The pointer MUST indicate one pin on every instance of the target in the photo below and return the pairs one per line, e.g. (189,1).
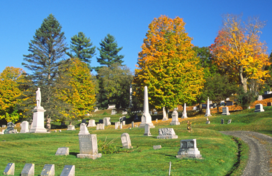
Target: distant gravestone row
(48,170)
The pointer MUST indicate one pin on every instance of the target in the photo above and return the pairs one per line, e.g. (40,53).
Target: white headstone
(48,170)
(113,112)
(155,147)
(88,146)
(83,129)
(91,123)
(167,133)
(63,151)
(106,121)
(188,149)
(9,170)
(124,112)
(28,170)
(124,122)
(130,96)
(71,127)
(147,130)
(175,120)
(125,139)
(68,170)
(164,114)
(259,108)
(111,106)
(260,97)
(208,122)
(24,127)
(132,124)
(208,113)
(121,125)
(225,110)
(184,113)
(117,125)
(100,126)
(229,121)
(146,118)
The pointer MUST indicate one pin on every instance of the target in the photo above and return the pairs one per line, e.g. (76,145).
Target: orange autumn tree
(81,91)
(238,52)
(9,93)
(168,65)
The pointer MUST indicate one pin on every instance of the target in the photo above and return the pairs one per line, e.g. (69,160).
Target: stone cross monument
(146,118)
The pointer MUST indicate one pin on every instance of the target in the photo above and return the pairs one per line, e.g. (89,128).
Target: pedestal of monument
(38,121)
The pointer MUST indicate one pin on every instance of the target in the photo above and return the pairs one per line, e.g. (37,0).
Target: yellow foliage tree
(9,93)
(81,94)
(168,65)
(238,52)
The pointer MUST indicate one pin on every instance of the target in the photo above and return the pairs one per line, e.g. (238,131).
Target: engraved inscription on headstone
(68,170)
(167,133)
(48,170)
(28,170)
(125,139)
(62,151)
(9,170)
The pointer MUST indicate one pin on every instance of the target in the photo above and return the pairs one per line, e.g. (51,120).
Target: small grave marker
(9,170)
(24,127)
(71,127)
(155,147)
(88,146)
(259,108)
(126,142)
(100,126)
(117,125)
(106,121)
(147,130)
(91,123)
(175,120)
(28,170)
(68,170)
(225,110)
(63,151)
(188,149)
(222,121)
(229,121)
(48,170)
(167,133)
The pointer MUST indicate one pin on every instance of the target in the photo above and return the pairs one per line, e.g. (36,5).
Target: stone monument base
(71,127)
(142,125)
(167,137)
(191,153)
(38,121)
(90,156)
(175,123)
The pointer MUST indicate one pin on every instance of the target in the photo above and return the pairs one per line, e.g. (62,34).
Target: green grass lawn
(219,151)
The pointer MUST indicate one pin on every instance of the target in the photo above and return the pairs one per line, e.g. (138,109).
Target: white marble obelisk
(164,114)
(38,116)
(208,112)
(146,118)
(130,96)
(184,113)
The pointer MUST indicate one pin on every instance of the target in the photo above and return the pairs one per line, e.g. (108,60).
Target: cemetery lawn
(219,151)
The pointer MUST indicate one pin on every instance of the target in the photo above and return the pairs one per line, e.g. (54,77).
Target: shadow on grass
(73,153)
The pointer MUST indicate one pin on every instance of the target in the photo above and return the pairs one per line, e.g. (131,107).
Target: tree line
(174,70)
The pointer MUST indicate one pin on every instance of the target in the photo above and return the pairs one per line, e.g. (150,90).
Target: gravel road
(260,146)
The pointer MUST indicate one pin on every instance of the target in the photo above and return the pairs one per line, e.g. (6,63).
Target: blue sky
(126,20)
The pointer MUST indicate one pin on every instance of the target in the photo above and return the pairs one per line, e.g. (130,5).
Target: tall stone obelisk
(146,117)
(184,113)
(38,116)
(164,117)
(208,112)
(130,96)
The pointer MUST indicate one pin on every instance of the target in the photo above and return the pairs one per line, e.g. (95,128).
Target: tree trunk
(243,81)
(48,124)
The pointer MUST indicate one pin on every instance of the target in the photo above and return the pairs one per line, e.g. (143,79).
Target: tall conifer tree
(47,51)
(82,48)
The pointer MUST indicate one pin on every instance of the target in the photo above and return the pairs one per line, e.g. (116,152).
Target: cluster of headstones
(48,170)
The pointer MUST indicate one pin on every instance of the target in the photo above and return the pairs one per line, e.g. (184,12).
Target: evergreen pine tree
(47,51)
(81,47)
(109,52)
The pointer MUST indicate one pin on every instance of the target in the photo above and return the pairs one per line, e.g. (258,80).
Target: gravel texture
(260,148)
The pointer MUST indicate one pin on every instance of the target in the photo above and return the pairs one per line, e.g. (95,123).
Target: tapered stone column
(208,112)
(184,113)
(146,118)
(164,114)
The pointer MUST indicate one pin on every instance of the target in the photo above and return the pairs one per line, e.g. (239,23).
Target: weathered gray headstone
(71,127)
(222,121)
(121,125)
(147,130)
(9,170)
(68,170)
(229,121)
(155,147)
(126,142)
(48,170)
(100,126)
(63,151)
(28,170)
(225,110)
(208,122)
(167,133)
(24,127)
(132,124)
(113,112)
(4,126)
(106,121)
(91,123)
(188,149)
(175,120)
(88,146)
(259,108)
(10,129)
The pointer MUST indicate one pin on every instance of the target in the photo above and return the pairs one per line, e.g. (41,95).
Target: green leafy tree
(109,52)
(218,88)
(81,47)
(114,84)
(47,52)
